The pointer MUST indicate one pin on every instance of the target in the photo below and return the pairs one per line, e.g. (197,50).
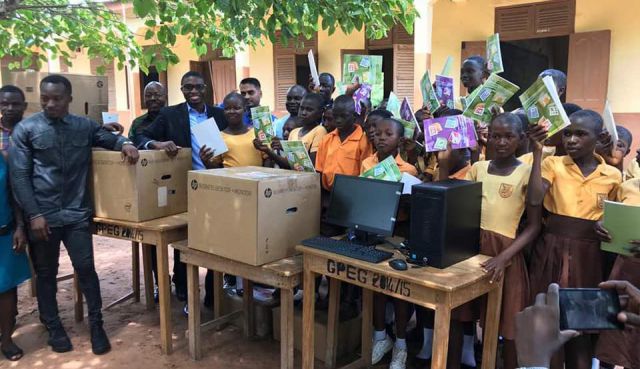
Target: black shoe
(99,341)
(58,340)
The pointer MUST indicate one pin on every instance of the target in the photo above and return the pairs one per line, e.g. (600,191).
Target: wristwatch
(127,142)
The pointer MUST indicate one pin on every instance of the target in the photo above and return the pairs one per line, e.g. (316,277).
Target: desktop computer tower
(445,222)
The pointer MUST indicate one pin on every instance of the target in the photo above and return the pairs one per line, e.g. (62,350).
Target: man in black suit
(170,131)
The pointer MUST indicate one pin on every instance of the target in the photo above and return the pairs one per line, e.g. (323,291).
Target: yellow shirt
(633,170)
(546,152)
(372,161)
(503,197)
(571,194)
(311,139)
(241,151)
(629,192)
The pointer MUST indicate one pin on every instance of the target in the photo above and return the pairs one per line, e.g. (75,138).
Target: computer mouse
(398,264)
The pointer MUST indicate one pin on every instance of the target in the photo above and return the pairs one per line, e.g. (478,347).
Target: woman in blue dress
(14,265)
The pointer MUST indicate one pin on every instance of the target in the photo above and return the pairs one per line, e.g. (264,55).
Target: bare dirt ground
(134,331)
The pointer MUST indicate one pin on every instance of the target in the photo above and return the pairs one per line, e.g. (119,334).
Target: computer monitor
(367,206)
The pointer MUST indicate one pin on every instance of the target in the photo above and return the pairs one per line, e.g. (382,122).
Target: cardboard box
(349,333)
(252,215)
(153,188)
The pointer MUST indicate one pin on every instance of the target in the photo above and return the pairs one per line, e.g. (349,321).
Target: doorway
(525,59)
(387,68)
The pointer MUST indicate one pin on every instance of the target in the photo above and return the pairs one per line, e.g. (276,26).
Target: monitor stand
(363,238)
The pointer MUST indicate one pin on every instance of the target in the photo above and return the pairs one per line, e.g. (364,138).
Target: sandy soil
(133,330)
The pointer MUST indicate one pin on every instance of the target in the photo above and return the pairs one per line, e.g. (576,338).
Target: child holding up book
(237,136)
(622,347)
(388,133)
(311,133)
(573,188)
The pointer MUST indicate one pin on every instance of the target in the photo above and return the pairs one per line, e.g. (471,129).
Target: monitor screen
(364,204)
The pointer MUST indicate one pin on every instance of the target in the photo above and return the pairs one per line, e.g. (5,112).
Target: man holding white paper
(172,129)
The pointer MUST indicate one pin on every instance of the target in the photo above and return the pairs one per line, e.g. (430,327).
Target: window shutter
(546,19)
(554,18)
(514,23)
(401,36)
(285,72)
(403,80)
(223,77)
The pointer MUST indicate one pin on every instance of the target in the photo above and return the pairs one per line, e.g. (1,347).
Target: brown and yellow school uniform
(568,251)
(546,152)
(503,203)
(623,347)
(633,170)
(311,139)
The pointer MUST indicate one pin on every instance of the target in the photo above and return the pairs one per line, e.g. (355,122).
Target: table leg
(218,294)
(367,326)
(193,293)
(333,318)
(441,337)
(148,276)
(135,270)
(247,306)
(77,299)
(308,315)
(492,323)
(164,286)
(286,328)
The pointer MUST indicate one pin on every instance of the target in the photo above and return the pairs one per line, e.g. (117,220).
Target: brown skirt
(622,347)
(515,290)
(567,253)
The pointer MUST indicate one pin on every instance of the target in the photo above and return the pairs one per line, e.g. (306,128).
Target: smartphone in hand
(589,309)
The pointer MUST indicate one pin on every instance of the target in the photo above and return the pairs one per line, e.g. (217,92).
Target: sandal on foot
(15,353)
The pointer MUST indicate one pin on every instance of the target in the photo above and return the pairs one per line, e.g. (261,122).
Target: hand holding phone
(589,309)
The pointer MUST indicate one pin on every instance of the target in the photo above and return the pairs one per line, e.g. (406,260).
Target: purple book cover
(457,129)
(444,90)
(364,92)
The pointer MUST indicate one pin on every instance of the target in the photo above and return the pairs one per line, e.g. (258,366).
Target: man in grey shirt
(49,159)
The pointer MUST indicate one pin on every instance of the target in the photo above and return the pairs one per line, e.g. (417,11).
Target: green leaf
(149,34)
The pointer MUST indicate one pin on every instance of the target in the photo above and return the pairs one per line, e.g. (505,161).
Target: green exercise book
(393,105)
(494,55)
(386,170)
(621,220)
(367,69)
(492,94)
(542,105)
(297,156)
(263,124)
(429,97)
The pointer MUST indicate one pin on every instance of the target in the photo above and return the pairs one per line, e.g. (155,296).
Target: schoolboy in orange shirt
(343,150)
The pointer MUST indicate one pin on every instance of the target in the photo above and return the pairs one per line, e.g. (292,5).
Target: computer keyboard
(349,249)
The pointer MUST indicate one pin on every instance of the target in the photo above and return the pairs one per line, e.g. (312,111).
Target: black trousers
(180,277)
(77,239)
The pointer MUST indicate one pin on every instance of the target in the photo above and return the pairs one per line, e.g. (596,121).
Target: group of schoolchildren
(542,197)
(542,202)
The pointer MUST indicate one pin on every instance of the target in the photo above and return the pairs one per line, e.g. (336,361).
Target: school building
(595,42)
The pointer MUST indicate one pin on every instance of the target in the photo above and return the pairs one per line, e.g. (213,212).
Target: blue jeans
(77,239)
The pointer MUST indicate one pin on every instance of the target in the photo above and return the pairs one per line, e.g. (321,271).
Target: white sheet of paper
(314,69)
(109,117)
(207,133)
(610,123)
(408,181)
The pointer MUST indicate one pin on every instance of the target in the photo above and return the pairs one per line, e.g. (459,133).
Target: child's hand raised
(483,133)
(206,153)
(261,146)
(537,135)
(276,145)
(312,85)
(442,109)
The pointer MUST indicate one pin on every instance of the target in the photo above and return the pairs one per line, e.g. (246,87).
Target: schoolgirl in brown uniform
(574,187)
(623,347)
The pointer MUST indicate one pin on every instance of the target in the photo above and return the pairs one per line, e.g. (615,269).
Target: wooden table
(284,274)
(437,289)
(159,233)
